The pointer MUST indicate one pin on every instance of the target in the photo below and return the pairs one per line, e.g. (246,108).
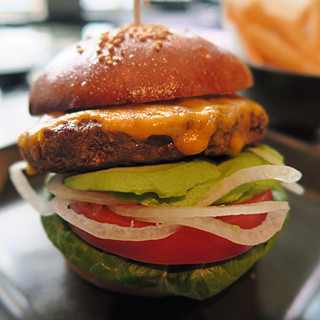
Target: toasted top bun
(136,64)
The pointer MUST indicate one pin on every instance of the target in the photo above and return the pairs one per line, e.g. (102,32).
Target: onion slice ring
(57,187)
(166,214)
(293,187)
(110,231)
(260,234)
(26,191)
(273,223)
(203,219)
(267,156)
(256,235)
(280,173)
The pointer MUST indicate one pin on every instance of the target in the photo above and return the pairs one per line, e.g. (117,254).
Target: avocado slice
(179,184)
(165,180)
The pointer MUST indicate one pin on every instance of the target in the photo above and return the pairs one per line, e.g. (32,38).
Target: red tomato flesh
(186,246)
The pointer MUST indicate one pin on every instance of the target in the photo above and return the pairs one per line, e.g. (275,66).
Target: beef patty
(86,141)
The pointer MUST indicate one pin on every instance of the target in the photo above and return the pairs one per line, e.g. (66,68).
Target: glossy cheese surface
(190,122)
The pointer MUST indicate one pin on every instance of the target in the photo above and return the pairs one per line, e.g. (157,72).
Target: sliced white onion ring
(280,173)
(110,231)
(166,214)
(267,156)
(259,234)
(26,191)
(262,233)
(293,187)
(256,235)
(57,187)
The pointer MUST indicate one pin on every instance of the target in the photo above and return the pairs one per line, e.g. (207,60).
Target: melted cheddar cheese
(190,122)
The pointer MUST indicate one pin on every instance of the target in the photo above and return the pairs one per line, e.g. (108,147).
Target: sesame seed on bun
(136,63)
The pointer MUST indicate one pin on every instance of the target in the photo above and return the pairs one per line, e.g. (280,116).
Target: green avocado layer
(194,281)
(165,180)
(179,184)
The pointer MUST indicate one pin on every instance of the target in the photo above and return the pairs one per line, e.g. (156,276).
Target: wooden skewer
(137,12)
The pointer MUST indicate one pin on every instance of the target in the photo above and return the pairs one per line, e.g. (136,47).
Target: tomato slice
(186,246)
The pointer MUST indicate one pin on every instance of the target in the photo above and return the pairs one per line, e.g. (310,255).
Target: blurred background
(279,39)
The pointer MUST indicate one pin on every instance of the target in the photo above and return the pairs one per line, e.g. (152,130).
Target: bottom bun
(108,285)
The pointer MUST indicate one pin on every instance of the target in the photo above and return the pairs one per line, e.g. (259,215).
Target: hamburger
(157,183)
